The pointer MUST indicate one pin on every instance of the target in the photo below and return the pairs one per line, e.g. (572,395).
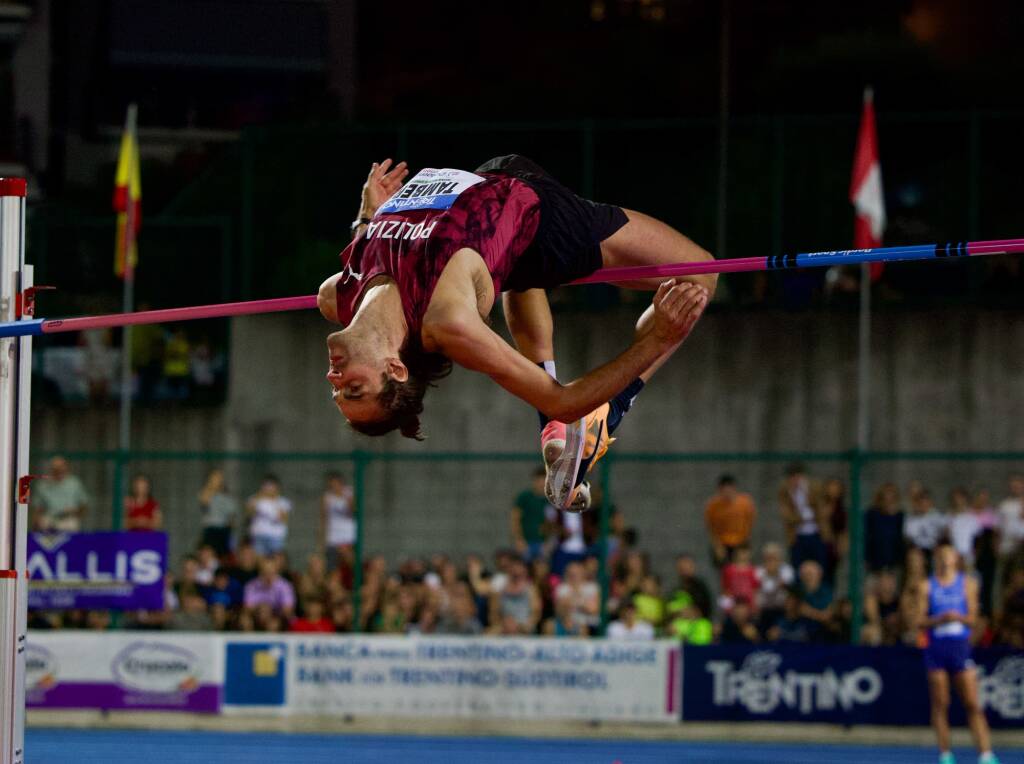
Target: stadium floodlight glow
(946,251)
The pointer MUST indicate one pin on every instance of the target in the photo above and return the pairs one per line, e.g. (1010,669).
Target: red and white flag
(866,186)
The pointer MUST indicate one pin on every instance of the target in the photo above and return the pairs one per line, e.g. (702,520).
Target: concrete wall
(744,382)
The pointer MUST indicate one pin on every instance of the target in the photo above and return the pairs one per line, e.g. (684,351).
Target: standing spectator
(729,516)
(883,529)
(629,573)
(803,514)
(572,545)
(1011,518)
(337,519)
(269,590)
(692,584)
(219,509)
(177,370)
(515,610)
(141,510)
(963,525)
(580,596)
(247,565)
(531,517)
(815,594)
(774,578)
(628,627)
(925,525)
(268,517)
(59,502)
(739,579)
(986,546)
(98,363)
(834,509)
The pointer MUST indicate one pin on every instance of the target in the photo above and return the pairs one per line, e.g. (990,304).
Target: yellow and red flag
(127,201)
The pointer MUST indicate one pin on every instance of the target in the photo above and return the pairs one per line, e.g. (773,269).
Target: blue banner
(116,571)
(836,684)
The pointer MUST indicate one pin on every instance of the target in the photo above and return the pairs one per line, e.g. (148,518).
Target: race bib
(951,629)
(430,189)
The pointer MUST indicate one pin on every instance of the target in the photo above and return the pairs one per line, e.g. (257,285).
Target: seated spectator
(627,576)
(925,525)
(60,502)
(247,565)
(883,617)
(815,593)
(546,583)
(839,629)
(342,614)
(98,620)
(141,510)
(581,596)
(692,584)
(270,590)
(515,610)
(649,605)
(628,626)
(224,591)
(883,529)
(1009,625)
(208,564)
(188,581)
(567,621)
(916,568)
(313,582)
(193,615)
(461,616)
(313,620)
(774,577)
(793,626)
(739,579)
(738,627)
(690,625)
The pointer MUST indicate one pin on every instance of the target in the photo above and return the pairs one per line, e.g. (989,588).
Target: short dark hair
(795,468)
(540,472)
(725,480)
(403,401)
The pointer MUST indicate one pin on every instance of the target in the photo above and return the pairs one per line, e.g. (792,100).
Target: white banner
(456,676)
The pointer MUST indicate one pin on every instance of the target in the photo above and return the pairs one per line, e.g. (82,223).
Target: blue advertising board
(836,684)
(116,570)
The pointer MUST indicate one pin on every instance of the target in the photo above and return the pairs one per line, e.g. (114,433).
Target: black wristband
(358,222)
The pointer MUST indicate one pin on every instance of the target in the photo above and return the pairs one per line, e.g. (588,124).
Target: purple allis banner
(116,571)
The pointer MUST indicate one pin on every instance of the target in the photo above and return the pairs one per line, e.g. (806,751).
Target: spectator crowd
(548,579)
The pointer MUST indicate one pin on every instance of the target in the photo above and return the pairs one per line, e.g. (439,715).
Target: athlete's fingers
(373,170)
(382,170)
(663,288)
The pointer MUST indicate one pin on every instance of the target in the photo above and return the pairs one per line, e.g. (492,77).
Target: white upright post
(15,386)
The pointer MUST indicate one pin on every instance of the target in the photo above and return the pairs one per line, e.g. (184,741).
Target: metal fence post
(360,458)
(605,518)
(856,552)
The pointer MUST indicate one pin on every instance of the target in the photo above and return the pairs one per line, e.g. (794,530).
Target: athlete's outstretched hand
(383,181)
(677,306)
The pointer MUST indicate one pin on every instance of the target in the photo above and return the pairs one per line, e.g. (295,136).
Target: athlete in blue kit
(948,604)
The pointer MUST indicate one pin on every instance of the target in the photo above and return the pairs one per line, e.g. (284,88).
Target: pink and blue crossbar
(947,251)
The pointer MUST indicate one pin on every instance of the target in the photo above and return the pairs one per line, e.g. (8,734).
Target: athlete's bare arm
(454,327)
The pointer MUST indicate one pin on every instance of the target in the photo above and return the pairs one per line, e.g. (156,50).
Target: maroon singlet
(414,235)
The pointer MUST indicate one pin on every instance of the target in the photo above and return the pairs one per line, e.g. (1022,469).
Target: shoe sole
(561,478)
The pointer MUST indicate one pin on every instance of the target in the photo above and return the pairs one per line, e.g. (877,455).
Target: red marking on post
(25,486)
(8,574)
(25,302)
(13,187)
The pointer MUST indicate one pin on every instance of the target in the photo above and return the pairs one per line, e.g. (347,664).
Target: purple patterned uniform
(416,232)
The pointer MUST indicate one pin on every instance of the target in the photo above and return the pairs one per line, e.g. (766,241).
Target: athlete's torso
(414,235)
(942,599)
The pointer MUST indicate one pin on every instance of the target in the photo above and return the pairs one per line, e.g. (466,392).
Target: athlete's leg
(938,692)
(966,684)
(647,241)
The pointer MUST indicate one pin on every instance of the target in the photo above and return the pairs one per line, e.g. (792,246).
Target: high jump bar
(946,251)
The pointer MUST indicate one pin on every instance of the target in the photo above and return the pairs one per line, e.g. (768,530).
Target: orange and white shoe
(570,452)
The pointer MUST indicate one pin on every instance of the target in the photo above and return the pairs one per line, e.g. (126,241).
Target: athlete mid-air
(428,259)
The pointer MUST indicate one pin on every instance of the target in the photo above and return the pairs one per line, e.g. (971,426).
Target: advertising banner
(124,670)
(835,684)
(456,676)
(105,571)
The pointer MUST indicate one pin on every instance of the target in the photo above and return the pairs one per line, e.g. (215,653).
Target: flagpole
(864,345)
(124,441)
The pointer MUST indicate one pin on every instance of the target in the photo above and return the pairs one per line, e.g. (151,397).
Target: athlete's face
(356,380)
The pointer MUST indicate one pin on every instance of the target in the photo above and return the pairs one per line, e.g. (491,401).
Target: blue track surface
(51,746)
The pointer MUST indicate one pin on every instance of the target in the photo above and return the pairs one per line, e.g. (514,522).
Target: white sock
(986,758)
